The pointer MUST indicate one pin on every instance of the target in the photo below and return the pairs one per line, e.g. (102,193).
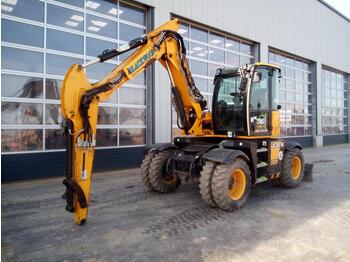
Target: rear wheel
(292,168)
(231,184)
(160,179)
(145,169)
(205,183)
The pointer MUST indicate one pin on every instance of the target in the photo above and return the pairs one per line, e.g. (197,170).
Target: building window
(334,103)
(208,50)
(294,94)
(36,53)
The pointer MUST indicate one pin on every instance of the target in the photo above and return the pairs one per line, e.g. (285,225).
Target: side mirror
(279,107)
(257,77)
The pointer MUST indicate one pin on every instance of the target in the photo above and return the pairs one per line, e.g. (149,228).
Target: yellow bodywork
(76,83)
(276,123)
(275,148)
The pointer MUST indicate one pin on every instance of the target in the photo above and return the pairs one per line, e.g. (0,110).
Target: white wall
(306,28)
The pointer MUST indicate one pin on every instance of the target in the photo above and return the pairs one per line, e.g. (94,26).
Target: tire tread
(219,185)
(285,178)
(145,169)
(205,181)
(155,173)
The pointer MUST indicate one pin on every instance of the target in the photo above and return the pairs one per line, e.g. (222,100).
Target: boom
(80,99)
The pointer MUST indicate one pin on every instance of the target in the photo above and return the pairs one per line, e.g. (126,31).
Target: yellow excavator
(226,150)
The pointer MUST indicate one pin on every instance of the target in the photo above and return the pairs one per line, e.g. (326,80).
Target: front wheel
(231,184)
(205,181)
(161,180)
(145,169)
(292,168)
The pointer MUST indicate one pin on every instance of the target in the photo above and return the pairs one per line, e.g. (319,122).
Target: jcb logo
(141,61)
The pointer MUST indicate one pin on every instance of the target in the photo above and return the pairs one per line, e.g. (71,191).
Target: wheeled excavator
(226,150)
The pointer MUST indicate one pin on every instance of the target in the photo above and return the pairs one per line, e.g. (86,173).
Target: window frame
(46,77)
(328,73)
(275,57)
(210,63)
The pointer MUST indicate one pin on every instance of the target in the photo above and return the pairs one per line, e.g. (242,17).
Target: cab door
(263,112)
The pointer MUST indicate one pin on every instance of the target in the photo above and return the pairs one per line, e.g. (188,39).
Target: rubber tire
(156,171)
(285,178)
(145,169)
(220,181)
(205,183)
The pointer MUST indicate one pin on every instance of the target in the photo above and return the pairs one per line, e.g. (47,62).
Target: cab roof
(266,64)
(234,70)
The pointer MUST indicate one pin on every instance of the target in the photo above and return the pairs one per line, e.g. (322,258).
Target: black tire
(145,169)
(221,184)
(205,183)
(158,177)
(286,178)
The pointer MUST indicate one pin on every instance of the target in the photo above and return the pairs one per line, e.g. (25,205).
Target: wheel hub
(237,184)
(296,167)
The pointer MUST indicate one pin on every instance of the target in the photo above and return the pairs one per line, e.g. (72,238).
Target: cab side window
(259,94)
(259,103)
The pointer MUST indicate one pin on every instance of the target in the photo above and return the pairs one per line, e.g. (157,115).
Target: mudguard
(224,155)
(162,147)
(290,145)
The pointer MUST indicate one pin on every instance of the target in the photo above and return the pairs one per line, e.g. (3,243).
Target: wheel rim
(296,167)
(169,179)
(237,184)
(166,177)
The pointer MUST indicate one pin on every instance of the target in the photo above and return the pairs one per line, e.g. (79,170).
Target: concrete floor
(128,223)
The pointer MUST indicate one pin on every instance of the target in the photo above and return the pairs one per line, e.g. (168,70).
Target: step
(261,180)
(263,149)
(261,164)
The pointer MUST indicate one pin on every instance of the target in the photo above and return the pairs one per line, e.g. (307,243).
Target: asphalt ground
(128,223)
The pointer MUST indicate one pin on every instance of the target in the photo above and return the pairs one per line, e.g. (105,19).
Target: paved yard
(128,223)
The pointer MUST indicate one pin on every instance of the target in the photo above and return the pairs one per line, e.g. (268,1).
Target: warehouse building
(309,40)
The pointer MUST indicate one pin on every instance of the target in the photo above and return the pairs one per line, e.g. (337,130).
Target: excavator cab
(246,106)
